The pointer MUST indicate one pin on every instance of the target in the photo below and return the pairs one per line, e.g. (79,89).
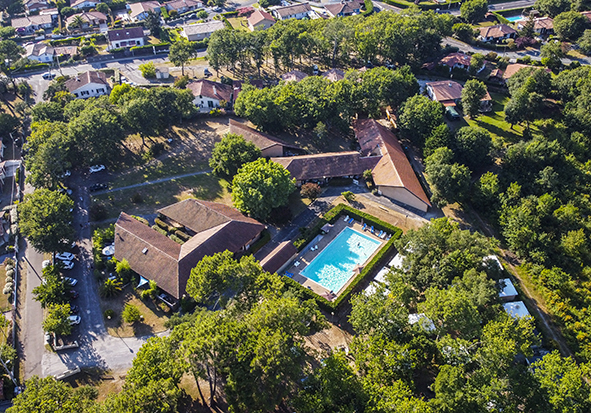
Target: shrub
(110,288)
(160,230)
(8,261)
(156,149)
(176,239)
(9,280)
(7,290)
(349,196)
(109,314)
(162,224)
(141,219)
(181,82)
(148,70)
(131,314)
(179,233)
(10,273)
(310,190)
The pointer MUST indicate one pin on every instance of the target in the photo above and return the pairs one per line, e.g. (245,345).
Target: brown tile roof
(326,165)
(293,76)
(66,50)
(125,34)
(279,256)
(543,23)
(87,16)
(179,4)
(334,74)
(342,7)
(498,31)
(36,20)
(297,8)
(260,139)
(259,16)
(210,89)
(453,59)
(91,76)
(158,263)
(393,168)
(446,90)
(144,6)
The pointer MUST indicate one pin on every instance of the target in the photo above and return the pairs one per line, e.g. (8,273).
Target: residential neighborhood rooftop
(125,34)
(85,78)
(204,28)
(211,89)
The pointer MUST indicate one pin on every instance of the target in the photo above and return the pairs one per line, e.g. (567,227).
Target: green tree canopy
(451,181)
(472,146)
(570,25)
(45,220)
(54,288)
(472,94)
(180,54)
(418,117)
(473,11)
(57,320)
(231,153)
(260,186)
(552,7)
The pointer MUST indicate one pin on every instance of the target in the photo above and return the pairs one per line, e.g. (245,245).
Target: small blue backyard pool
(333,267)
(514,18)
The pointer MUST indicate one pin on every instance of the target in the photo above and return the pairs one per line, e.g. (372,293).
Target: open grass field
(239,23)
(155,314)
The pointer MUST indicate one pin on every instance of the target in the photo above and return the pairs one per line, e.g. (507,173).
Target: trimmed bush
(179,233)
(162,224)
(109,314)
(140,219)
(160,230)
(10,273)
(176,239)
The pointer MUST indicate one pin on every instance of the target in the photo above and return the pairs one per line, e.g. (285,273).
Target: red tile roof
(334,74)
(497,31)
(260,139)
(453,59)
(293,76)
(326,165)
(210,89)
(259,16)
(91,76)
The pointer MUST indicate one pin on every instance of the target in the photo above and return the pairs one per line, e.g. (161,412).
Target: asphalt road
(511,5)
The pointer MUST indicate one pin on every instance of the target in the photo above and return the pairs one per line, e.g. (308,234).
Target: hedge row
(150,46)
(176,239)
(162,224)
(160,230)
(368,7)
(230,14)
(142,220)
(424,5)
(77,40)
(185,237)
(377,261)
(33,66)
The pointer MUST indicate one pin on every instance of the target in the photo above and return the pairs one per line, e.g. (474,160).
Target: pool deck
(306,256)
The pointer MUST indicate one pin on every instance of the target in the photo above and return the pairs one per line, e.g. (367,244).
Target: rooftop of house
(204,28)
(211,89)
(36,20)
(293,76)
(507,288)
(345,7)
(259,16)
(260,139)
(297,8)
(38,49)
(125,34)
(86,78)
(393,168)
(74,3)
(543,23)
(88,16)
(334,74)
(142,7)
(179,4)
(497,31)
(516,309)
(279,256)
(327,165)
(447,91)
(453,59)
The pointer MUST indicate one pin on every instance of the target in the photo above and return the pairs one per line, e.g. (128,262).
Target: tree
(53,290)
(472,146)
(48,395)
(473,11)
(349,196)
(584,42)
(103,8)
(231,153)
(552,54)
(47,164)
(439,138)
(552,8)
(202,14)
(156,360)
(161,396)
(418,116)
(310,190)
(472,94)
(7,32)
(131,314)
(142,116)
(57,320)
(148,70)
(525,107)
(45,220)
(111,287)
(570,25)
(451,181)
(464,32)
(153,23)
(476,63)
(67,11)
(77,22)
(10,52)
(260,186)
(564,383)
(181,52)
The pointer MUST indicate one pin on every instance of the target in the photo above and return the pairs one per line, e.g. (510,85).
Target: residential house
(30,24)
(296,11)
(342,8)
(89,84)
(293,76)
(516,309)
(40,52)
(587,14)
(334,74)
(209,94)
(34,6)
(508,291)
(497,33)
(200,31)
(139,11)
(90,18)
(393,174)
(83,4)
(542,25)
(320,168)
(456,61)
(212,228)
(66,50)
(133,36)
(183,6)
(269,145)
(449,93)
(260,20)
(54,13)
(501,76)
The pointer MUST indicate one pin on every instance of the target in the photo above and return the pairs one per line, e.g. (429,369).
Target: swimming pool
(333,267)
(514,18)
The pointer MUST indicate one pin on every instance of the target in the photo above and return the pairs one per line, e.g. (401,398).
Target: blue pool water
(514,18)
(333,267)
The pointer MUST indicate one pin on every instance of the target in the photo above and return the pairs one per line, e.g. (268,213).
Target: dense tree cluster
(316,99)
(409,37)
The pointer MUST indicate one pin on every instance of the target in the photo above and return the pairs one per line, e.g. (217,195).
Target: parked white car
(68,265)
(65,256)
(75,319)
(71,281)
(97,168)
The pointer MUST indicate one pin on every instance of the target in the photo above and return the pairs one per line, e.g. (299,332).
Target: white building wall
(91,90)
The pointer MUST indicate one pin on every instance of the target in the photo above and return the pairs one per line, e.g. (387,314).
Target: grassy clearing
(155,314)
(239,23)
(494,122)
(207,187)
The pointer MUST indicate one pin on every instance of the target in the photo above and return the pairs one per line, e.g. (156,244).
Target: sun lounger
(315,247)
(383,235)
(296,264)
(351,220)
(288,274)
(372,231)
(389,236)
(346,218)
(381,232)
(364,226)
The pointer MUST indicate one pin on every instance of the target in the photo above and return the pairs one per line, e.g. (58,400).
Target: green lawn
(239,23)
(495,123)
(153,197)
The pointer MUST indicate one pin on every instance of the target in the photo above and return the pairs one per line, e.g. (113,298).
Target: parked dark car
(98,187)
(74,294)
(451,113)
(74,309)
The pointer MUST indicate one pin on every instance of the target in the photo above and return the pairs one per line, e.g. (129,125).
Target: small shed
(508,291)
(516,309)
